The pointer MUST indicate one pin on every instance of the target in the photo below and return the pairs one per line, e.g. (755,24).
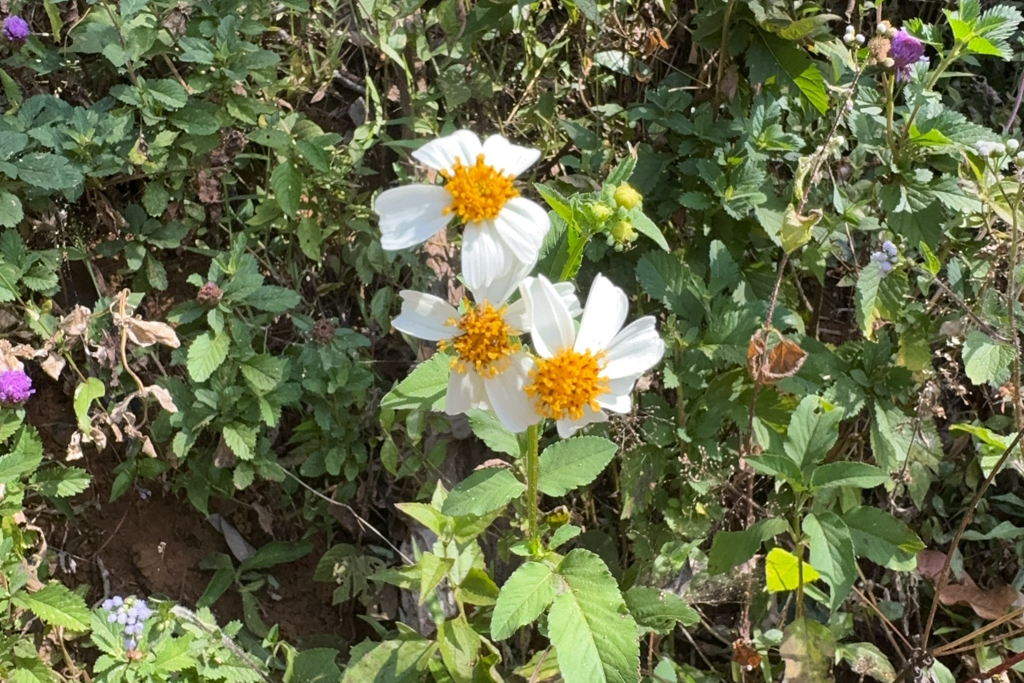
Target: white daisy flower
(580,374)
(502,228)
(490,368)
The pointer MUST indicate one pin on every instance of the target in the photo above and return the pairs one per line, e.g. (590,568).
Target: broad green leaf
(168,92)
(11,212)
(206,354)
(155,198)
(220,582)
(263,372)
(866,298)
(782,571)
(666,278)
(460,649)
(867,659)
(241,439)
(659,611)
(832,553)
(772,57)
(485,490)
(477,588)
(427,515)
(85,394)
(778,466)
(986,360)
(287,185)
(273,299)
(569,464)
(596,637)
(525,595)
(48,172)
(275,553)
(488,428)
(425,387)
(645,226)
(807,649)
(315,665)
(24,458)
(882,538)
(725,274)
(732,548)
(56,605)
(813,430)
(859,474)
(433,569)
(796,229)
(310,237)
(60,482)
(393,661)
(172,654)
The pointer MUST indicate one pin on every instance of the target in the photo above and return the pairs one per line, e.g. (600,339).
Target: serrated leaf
(11,212)
(24,458)
(61,482)
(859,474)
(867,298)
(770,56)
(589,624)
(986,360)
(48,172)
(241,439)
(523,597)
(168,92)
(273,299)
(206,354)
(882,538)
(477,588)
(667,279)
(488,428)
(315,665)
(807,649)
(310,237)
(424,389)
(482,492)
(155,198)
(659,611)
(172,654)
(263,372)
(867,659)
(427,515)
(393,661)
(286,182)
(56,605)
(782,571)
(571,463)
(732,548)
(813,430)
(433,569)
(832,553)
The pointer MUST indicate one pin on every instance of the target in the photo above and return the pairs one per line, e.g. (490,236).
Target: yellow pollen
(484,342)
(479,192)
(565,384)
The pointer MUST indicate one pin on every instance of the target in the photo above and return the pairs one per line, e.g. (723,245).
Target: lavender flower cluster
(131,613)
(15,387)
(16,29)
(887,256)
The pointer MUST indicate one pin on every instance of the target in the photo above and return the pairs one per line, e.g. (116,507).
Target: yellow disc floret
(479,192)
(484,341)
(567,383)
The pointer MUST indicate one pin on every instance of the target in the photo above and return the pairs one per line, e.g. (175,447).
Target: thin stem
(890,108)
(953,55)
(532,493)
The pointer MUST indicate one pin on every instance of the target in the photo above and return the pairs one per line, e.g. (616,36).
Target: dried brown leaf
(53,365)
(75,323)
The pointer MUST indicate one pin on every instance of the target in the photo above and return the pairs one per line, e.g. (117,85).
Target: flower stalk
(532,492)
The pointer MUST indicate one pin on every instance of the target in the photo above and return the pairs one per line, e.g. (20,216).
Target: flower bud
(890,63)
(1012,146)
(849,38)
(861,39)
(209,294)
(883,28)
(627,197)
(600,211)
(998,150)
(623,232)
(850,29)
(323,331)
(1020,159)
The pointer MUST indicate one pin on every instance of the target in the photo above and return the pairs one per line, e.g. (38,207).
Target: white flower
(489,370)
(502,228)
(580,374)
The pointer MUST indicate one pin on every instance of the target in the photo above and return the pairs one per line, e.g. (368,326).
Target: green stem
(953,55)
(889,113)
(532,494)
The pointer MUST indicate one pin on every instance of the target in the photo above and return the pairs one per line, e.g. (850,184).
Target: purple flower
(130,644)
(16,29)
(15,387)
(906,50)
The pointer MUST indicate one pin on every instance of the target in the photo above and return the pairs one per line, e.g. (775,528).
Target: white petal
(465,392)
(522,225)
(621,403)
(440,154)
(425,316)
(411,214)
(500,289)
(515,316)
(548,318)
(484,257)
(603,316)
(634,350)
(568,427)
(504,156)
(507,397)
(567,291)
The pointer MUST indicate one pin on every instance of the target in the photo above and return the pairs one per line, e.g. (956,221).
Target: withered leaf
(782,360)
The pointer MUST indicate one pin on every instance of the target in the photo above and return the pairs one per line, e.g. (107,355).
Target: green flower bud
(627,197)
(623,232)
(600,212)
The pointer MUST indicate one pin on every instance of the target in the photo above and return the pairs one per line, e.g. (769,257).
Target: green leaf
(771,57)
(725,273)
(56,605)
(24,458)
(286,182)
(481,492)
(129,8)
(659,611)
(48,172)
(666,278)
(241,439)
(931,260)
(813,430)
(206,354)
(168,92)
(460,649)
(275,553)
(589,625)
(11,212)
(867,659)
(488,428)
(310,237)
(155,198)
(60,482)
(477,588)
(427,515)
(866,298)
(645,226)
(882,538)
(832,553)
(986,360)
(273,299)
(85,394)
(424,389)
(433,569)
(316,665)
(525,595)
(807,649)
(569,464)
(796,229)
(172,654)
(859,474)
(732,548)
(263,372)
(778,466)
(782,571)
(393,661)
(220,582)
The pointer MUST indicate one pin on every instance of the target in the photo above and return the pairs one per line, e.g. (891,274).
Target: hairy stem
(532,494)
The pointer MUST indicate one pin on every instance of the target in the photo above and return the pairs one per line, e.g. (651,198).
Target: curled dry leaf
(745,655)
(8,358)
(75,323)
(146,333)
(74,448)
(53,365)
(782,360)
(987,603)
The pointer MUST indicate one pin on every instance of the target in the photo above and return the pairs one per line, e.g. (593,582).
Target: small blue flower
(130,643)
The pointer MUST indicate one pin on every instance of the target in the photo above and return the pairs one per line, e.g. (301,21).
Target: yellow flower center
(565,384)
(485,342)
(479,192)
